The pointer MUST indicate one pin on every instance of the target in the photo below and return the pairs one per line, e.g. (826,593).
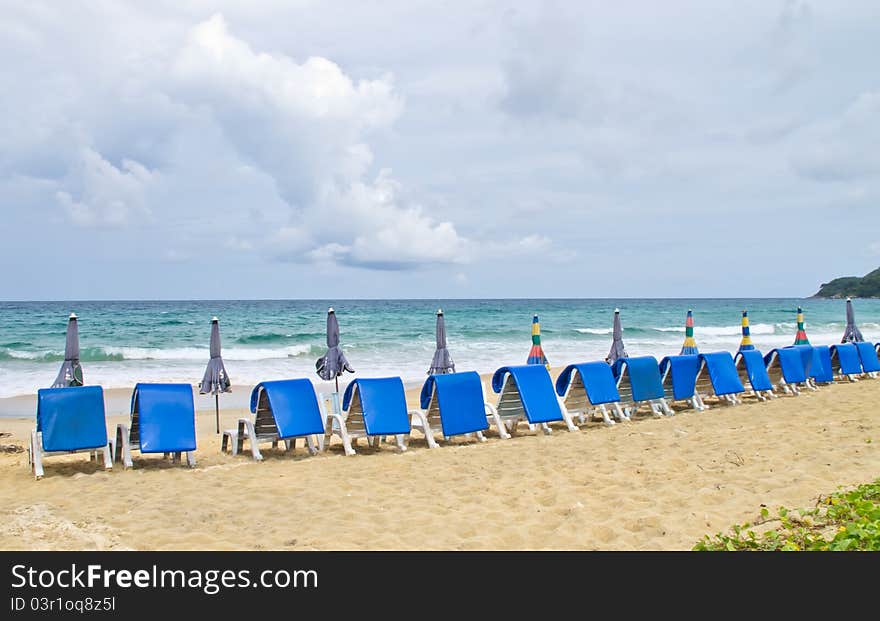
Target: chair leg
(500,426)
(239,440)
(108,459)
(422,421)
(567,418)
(481,437)
(346,440)
(605,417)
(401,446)
(190,459)
(310,445)
(618,412)
(252,437)
(37,453)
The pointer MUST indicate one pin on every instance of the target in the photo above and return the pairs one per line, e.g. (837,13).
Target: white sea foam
(200,353)
(593,330)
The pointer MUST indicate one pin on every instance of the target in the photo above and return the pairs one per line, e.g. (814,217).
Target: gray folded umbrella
(216,380)
(442,362)
(852,334)
(332,364)
(617,348)
(71,372)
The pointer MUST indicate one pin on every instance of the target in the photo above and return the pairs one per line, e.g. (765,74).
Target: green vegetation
(868,286)
(847,520)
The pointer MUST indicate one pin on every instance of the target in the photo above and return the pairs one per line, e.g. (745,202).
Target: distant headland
(868,286)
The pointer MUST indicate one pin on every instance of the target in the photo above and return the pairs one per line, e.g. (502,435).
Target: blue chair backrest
(535,390)
(820,369)
(71,419)
(294,406)
(166,417)
(791,362)
(644,377)
(598,380)
(868,357)
(848,358)
(806,357)
(383,403)
(683,372)
(755,369)
(722,373)
(460,401)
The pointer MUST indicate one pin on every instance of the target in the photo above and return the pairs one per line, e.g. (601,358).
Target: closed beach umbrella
(617,348)
(71,372)
(801,336)
(332,364)
(746,343)
(852,334)
(536,354)
(442,362)
(216,380)
(690,345)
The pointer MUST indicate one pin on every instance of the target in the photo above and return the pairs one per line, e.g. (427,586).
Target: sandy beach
(652,484)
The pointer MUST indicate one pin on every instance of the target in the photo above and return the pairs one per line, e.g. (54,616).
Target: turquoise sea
(124,342)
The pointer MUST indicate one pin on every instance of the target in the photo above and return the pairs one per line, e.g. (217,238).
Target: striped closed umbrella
(801,336)
(536,354)
(746,343)
(617,348)
(852,334)
(690,345)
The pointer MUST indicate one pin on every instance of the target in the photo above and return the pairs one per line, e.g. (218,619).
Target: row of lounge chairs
(162,419)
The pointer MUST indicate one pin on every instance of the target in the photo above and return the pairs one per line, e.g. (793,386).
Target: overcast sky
(295,149)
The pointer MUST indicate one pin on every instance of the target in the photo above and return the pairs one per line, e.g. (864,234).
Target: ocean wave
(119,354)
(755,328)
(593,330)
(199,353)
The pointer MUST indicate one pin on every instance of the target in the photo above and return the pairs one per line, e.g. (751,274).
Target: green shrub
(847,520)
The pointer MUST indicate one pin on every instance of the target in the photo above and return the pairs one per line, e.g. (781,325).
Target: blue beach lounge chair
(371,408)
(718,377)
(163,420)
(526,392)
(785,367)
(453,404)
(869,358)
(753,372)
(638,382)
(679,376)
(284,410)
(807,357)
(587,387)
(845,361)
(69,420)
(820,368)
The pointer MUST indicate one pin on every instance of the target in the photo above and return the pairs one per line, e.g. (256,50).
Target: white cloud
(105,196)
(305,124)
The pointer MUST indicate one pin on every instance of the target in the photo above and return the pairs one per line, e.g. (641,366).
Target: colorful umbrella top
(801,336)
(689,346)
(536,355)
(746,343)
